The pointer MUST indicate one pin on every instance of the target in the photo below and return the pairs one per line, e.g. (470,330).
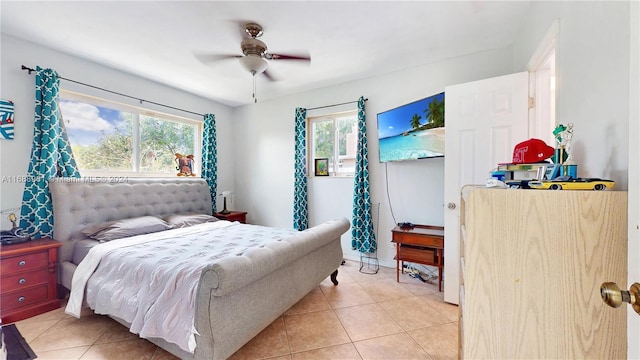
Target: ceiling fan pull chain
(255,100)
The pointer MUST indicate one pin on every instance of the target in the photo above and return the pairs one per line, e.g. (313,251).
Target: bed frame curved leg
(334,277)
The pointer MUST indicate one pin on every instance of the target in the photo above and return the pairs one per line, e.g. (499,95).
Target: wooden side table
(239,216)
(28,279)
(421,244)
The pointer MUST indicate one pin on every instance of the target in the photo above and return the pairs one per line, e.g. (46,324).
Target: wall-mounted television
(412,131)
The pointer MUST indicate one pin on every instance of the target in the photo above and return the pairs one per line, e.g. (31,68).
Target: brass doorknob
(614,297)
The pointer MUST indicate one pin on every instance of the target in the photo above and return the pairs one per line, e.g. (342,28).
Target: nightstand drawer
(19,298)
(23,263)
(418,254)
(23,280)
(418,240)
(239,216)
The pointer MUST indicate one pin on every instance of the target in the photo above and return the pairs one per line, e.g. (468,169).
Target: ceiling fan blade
(269,76)
(287,57)
(208,58)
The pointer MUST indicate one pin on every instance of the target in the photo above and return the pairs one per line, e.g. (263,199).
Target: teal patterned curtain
(210,157)
(363,238)
(300,210)
(51,156)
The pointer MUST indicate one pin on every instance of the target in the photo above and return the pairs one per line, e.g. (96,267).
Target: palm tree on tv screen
(415,121)
(435,113)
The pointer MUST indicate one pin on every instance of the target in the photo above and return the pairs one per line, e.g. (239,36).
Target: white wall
(18,86)
(633,321)
(264,151)
(592,77)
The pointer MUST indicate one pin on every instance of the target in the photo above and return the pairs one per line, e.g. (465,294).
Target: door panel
(485,120)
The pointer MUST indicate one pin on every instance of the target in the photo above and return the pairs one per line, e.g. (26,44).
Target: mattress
(81,249)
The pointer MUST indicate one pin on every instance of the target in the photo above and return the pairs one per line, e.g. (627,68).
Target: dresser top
(421,230)
(29,246)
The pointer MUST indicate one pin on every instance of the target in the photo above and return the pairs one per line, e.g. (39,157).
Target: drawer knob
(21,299)
(22,263)
(22,281)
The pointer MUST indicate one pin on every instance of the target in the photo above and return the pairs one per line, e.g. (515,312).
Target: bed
(235,296)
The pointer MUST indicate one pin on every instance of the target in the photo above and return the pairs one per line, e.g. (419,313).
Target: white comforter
(151,280)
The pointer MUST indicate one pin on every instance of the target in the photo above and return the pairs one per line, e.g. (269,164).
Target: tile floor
(364,317)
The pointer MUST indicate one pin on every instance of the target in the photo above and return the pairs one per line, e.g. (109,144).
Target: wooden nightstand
(239,216)
(28,279)
(421,244)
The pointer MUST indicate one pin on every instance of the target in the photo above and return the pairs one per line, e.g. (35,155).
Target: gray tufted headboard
(78,202)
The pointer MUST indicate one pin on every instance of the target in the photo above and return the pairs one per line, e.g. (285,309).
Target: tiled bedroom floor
(364,317)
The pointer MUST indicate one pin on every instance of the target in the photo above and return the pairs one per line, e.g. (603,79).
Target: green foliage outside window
(345,127)
(160,140)
(111,144)
(324,139)
(113,150)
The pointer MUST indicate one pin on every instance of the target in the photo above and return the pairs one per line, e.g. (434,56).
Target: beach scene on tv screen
(412,131)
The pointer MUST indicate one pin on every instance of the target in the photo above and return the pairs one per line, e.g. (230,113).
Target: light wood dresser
(532,262)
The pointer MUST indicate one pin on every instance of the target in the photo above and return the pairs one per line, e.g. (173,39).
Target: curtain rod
(30,70)
(344,103)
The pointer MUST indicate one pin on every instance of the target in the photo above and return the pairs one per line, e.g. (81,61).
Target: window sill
(125,174)
(331,177)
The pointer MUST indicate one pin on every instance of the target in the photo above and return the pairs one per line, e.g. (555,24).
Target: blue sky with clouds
(396,121)
(86,122)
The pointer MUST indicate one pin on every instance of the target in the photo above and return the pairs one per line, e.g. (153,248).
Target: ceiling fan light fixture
(254,64)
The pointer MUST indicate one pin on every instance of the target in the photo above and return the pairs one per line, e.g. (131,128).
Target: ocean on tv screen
(412,131)
(413,145)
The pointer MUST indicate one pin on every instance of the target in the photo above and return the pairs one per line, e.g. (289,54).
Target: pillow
(126,227)
(184,220)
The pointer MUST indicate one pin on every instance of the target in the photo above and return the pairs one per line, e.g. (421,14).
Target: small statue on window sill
(185,165)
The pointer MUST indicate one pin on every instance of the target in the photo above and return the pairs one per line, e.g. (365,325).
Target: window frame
(337,158)
(138,111)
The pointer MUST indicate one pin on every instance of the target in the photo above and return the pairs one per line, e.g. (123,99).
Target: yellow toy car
(573,184)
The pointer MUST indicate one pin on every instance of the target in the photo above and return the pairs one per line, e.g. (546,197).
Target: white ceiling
(159,40)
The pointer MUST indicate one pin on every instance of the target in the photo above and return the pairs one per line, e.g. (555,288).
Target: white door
(485,120)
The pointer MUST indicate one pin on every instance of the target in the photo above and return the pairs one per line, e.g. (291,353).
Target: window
(334,136)
(109,137)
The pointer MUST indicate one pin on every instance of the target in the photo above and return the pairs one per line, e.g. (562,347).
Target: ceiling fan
(255,55)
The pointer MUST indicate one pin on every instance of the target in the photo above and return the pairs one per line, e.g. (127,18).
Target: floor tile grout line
(420,345)
(43,331)
(342,325)
(286,335)
(84,353)
(67,348)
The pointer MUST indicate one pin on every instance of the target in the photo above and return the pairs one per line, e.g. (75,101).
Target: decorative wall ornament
(6,119)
